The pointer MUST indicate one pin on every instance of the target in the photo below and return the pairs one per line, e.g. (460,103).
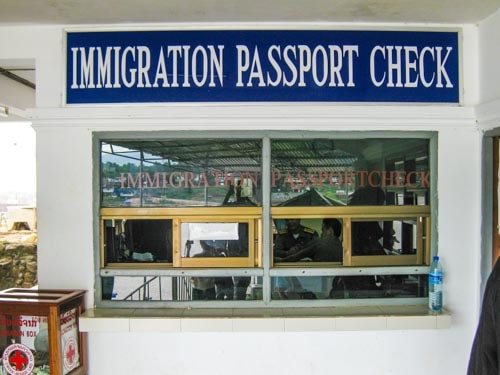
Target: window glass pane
(315,240)
(137,240)
(181,173)
(206,240)
(345,287)
(336,172)
(384,238)
(182,288)
(116,163)
(212,242)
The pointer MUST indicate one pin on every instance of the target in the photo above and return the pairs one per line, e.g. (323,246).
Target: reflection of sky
(120,160)
(130,157)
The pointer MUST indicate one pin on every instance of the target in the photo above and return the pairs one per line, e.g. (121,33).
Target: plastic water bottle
(435,286)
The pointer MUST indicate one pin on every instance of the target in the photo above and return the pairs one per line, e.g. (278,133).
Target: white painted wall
(488,111)
(489,52)
(64,188)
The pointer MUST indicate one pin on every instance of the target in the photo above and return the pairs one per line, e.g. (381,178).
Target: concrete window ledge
(263,320)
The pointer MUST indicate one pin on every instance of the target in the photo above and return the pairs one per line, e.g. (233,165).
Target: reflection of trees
(113,170)
(112,173)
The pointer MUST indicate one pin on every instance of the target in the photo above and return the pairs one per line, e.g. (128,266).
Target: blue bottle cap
(435,258)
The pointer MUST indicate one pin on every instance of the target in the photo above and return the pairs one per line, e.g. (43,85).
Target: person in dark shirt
(294,238)
(289,241)
(328,248)
(485,352)
(204,287)
(366,235)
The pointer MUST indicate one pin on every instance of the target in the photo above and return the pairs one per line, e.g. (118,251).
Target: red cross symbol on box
(70,354)
(18,360)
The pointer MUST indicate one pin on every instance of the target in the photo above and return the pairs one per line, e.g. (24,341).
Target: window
(265,221)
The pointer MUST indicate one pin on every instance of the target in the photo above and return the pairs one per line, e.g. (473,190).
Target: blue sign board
(262,66)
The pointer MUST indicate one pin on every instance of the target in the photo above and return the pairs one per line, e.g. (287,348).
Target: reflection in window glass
(400,237)
(181,173)
(182,288)
(211,243)
(345,287)
(314,240)
(138,240)
(339,172)
(214,240)
(384,238)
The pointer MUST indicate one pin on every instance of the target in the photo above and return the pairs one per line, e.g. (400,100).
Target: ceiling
(167,11)
(226,12)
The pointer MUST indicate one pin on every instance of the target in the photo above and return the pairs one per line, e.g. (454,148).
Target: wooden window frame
(253,217)
(348,215)
(250,215)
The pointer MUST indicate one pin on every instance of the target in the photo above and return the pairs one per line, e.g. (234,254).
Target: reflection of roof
(237,154)
(311,198)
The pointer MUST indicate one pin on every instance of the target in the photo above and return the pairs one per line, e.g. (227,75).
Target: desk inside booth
(39,332)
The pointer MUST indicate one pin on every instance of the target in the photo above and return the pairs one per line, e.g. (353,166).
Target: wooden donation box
(39,332)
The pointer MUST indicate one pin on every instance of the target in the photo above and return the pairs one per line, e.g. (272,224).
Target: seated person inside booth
(292,239)
(367,236)
(204,287)
(328,248)
(220,287)
(238,194)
